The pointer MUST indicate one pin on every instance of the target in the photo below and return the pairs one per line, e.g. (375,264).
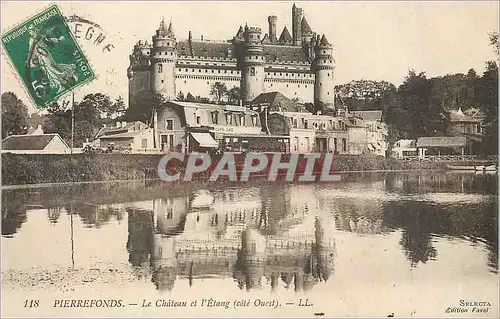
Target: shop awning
(205,140)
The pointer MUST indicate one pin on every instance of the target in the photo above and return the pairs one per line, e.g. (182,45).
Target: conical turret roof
(304,26)
(285,36)
(324,41)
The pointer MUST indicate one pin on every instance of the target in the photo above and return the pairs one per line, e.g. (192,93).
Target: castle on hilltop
(299,65)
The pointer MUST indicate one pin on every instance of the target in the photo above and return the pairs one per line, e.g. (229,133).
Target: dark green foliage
(14,115)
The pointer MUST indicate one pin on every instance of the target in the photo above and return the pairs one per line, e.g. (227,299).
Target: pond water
(411,244)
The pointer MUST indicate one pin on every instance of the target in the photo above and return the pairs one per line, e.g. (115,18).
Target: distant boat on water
(480,168)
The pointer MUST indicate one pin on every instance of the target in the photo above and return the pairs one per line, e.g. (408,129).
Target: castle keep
(299,65)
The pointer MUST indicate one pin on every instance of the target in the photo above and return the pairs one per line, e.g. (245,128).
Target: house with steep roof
(35,144)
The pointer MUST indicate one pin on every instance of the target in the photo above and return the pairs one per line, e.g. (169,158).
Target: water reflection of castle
(228,234)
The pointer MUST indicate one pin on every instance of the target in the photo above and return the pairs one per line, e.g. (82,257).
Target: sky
(372,40)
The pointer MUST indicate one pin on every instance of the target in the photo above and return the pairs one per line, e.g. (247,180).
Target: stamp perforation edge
(80,85)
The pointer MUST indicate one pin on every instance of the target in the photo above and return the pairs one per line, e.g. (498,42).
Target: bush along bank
(19,169)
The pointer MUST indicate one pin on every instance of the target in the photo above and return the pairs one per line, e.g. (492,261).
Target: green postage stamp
(47,57)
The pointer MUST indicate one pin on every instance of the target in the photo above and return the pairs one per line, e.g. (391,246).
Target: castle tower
(252,64)
(296,25)
(163,58)
(323,67)
(272,29)
(138,72)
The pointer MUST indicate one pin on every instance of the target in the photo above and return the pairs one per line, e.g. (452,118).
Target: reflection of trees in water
(140,237)
(420,221)
(441,182)
(53,213)
(13,212)
(358,216)
(97,215)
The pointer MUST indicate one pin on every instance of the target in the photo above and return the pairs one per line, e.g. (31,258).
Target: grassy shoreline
(30,169)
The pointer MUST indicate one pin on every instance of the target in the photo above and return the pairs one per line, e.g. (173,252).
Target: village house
(376,131)
(461,124)
(134,136)
(198,127)
(446,145)
(35,144)
(403,148)
(309,132)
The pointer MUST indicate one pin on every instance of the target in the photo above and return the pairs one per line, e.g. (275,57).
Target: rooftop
(443,141)
(29,142)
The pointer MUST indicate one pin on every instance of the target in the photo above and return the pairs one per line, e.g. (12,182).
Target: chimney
(118,124)
(155,130)
(272,29)
(124,123)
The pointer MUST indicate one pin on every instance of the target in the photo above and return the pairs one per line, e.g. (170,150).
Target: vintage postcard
(249,159)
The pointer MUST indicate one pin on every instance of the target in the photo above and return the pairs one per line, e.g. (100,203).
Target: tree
(14,115)
(494,41)
(190,97)
(180,96)
(142,106)
(234,95)
(425,117)
(487,99)
(218,90)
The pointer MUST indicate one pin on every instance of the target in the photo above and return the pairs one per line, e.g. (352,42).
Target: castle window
(274,73)
(252,71)
(287,85)
(298,86)
(186,70)
(327,93)
(147,52)
(286,74)
(229,119)
(218,71)
(306,86)
(231,72)
(212,71)
(324,61)
(184,81)
(321,84)
(225,71)
(160,68)
(206,70)
(215,118)
(162,81)
(324,51)
(180,70)
(207,82)
(328,74)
